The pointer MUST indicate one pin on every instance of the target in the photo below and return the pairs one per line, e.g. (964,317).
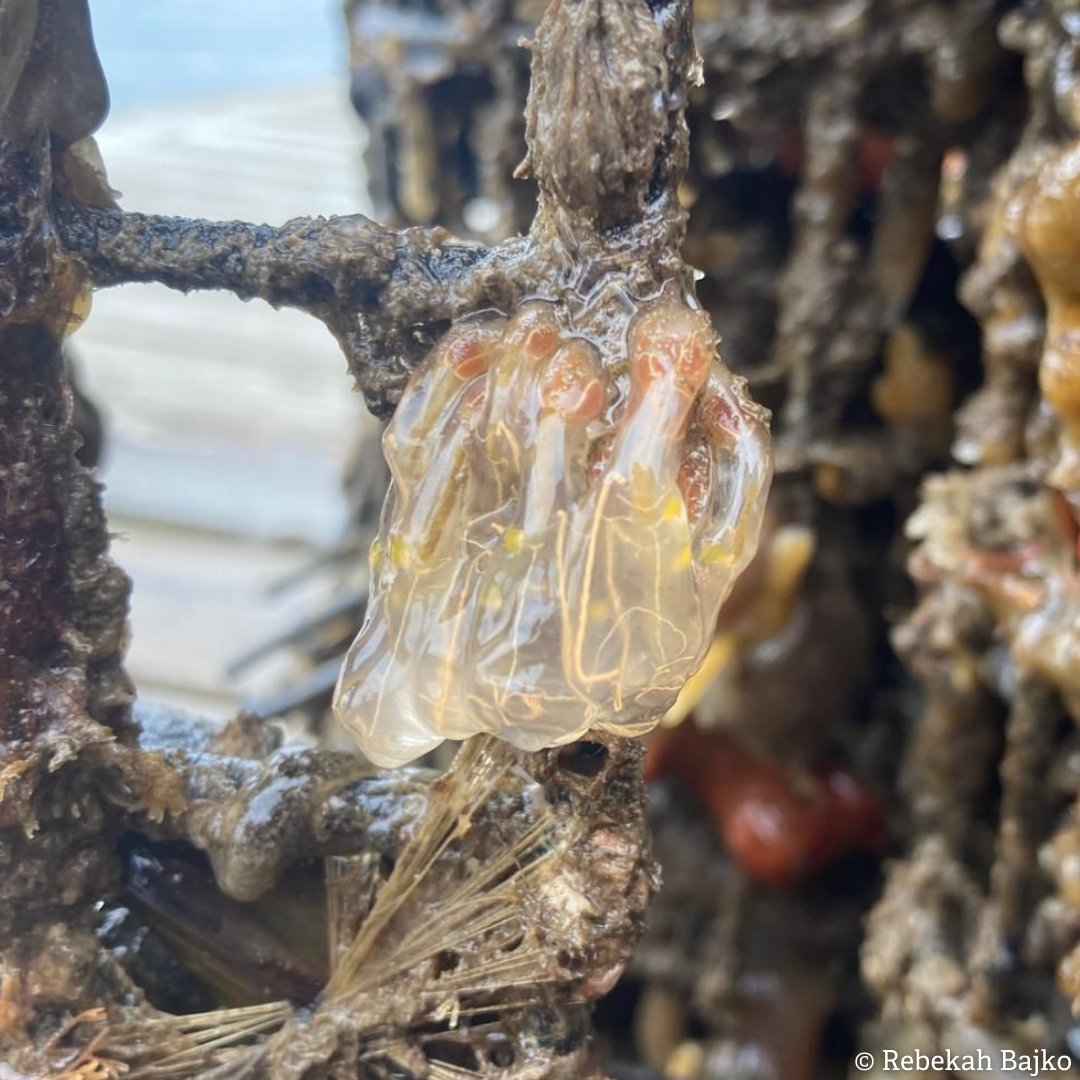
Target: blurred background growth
(226,424)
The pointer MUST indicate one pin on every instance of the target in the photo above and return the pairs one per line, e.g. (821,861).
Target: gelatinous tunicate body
(561,531)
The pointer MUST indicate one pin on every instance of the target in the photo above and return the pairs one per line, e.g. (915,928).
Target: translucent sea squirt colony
(561,531)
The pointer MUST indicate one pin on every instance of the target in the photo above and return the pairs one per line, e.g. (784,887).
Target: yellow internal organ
(521,593)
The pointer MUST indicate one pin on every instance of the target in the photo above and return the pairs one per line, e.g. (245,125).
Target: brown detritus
(996,565)
(914,955)
(1069,975)
(1005,538)
(1016,884)
(952,749)
(510,891)
(995,555)
(1059,859)
(513,901)
(1000,291)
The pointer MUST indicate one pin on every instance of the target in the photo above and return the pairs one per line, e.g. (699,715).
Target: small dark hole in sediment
(452,1052)
(568,962)
(501,1055)
(583,758)
(447,960)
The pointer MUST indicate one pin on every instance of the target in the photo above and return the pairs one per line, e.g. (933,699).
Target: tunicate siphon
(561,530)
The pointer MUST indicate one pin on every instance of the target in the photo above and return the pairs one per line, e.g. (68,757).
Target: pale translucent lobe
(553,553)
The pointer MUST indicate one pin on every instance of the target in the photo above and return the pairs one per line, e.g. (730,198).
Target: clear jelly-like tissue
(561,531)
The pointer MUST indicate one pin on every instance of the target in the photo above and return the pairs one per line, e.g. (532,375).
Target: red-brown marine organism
(781,828)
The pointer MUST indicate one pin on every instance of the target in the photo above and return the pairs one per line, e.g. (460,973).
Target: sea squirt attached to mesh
(561,531)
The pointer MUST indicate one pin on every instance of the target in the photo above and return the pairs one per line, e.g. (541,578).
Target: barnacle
(562,530)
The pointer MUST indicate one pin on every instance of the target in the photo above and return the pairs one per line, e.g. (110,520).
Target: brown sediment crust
(80,789)
(828,144)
